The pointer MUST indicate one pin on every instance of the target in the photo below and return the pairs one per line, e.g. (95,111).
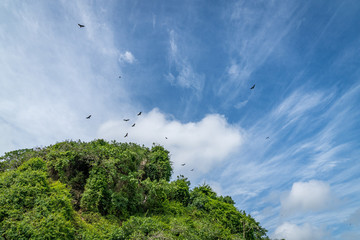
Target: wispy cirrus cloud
(312,124)
(298,103)
(254,35)
(54,75)
(181,71)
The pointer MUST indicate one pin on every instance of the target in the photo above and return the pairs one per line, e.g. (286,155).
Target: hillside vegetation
(102,190)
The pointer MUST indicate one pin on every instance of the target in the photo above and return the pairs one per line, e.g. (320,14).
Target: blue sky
(188,66)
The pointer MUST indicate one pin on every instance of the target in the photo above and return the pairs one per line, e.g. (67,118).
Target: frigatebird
(253,87)
(81,26)
(126,135)
(133,125)
(88,117)
(126,119)
(139,114)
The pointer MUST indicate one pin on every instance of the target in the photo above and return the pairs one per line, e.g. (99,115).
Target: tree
(158,165)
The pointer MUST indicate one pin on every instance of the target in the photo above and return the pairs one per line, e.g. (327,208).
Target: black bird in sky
(81,26)
(253,87)
(88,117)
(119,76)
(139,114)
(126,119)
(126,135)
(165,137)
(192,170)
(133,125)
(183,164)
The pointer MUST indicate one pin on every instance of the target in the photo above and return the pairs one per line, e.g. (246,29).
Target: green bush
(102,190)
(34,207)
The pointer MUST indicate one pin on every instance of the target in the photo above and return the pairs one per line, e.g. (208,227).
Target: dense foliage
(102,190)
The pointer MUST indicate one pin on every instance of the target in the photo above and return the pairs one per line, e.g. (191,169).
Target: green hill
(102,190)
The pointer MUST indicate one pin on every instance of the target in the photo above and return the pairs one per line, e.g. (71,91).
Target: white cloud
(307,196)
(199,145)
(291,231)
(127,57)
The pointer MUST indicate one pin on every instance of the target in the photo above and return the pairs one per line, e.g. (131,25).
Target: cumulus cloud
(199,145)
(127,57)
(307,196)
(306,231)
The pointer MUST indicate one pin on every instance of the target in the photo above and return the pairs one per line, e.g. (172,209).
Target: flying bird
(192,170)
(88,117)
(183,164)
(81,26)
(165,137)
(119,76)
(139,114)
(267,137)
(253,87)
(133,125)
(126,135)
(126,119)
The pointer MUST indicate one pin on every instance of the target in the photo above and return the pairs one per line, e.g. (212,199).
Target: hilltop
(110,190)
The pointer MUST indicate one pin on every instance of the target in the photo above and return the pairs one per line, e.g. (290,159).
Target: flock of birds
(133,125)
(127,119)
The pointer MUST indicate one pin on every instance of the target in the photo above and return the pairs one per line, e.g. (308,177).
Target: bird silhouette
(253,87)
(119,76)
(139,114)
(81,26)
(133,125)
(165,137)
(126,119)
(183,164)
(267,137)
(126,135)
(88,117)
(192,170)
